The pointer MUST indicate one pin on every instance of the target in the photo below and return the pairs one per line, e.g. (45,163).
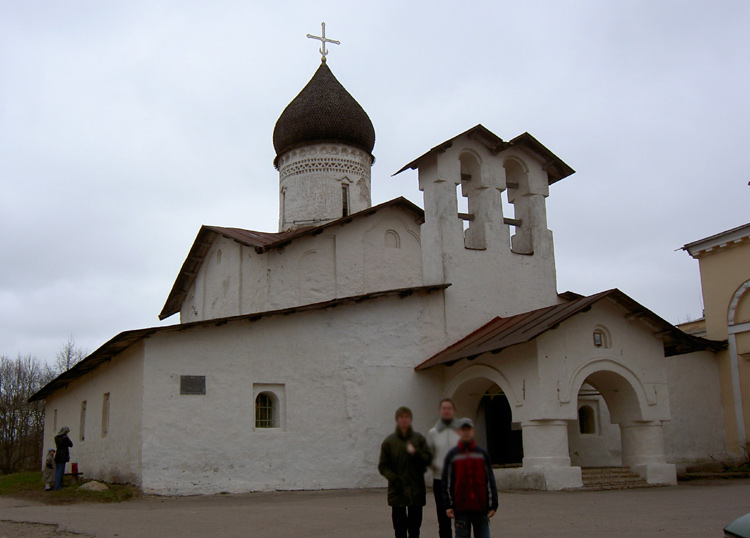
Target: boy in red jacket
(469,488)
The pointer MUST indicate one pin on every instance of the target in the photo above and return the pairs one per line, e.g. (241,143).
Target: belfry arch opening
(515,206)
(467,193)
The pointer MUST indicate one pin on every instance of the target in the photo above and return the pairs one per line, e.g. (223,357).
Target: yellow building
(724,261)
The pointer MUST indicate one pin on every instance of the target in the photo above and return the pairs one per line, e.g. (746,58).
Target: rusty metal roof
(261,242)
(554,166)
(124,340)
(501,333)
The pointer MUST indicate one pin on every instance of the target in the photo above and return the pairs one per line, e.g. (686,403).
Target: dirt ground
(9,529)
(694,509)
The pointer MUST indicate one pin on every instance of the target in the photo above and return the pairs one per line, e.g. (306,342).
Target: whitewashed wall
(115,457)
(344,372)
(378,252)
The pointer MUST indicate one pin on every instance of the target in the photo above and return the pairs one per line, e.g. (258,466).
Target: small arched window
(586,420)
(598,338)
(265,410)
(601,338)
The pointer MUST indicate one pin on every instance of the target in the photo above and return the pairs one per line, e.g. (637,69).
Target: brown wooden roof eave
(125,339)
(188,272)
(104,353)
(555,167)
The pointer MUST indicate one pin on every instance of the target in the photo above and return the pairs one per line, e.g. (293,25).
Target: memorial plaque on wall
(192,384)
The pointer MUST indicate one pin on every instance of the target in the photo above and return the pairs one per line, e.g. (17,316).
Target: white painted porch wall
(565,351)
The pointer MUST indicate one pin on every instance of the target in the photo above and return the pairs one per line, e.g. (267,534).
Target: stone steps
(608,478)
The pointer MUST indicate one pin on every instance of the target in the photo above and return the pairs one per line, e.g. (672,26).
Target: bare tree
(21,422)
(69,355)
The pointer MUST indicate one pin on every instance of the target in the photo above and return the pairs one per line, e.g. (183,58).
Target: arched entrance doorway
(479,395)
(614,425)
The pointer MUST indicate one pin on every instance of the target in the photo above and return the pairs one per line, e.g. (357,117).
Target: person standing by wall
(404,457)
(441,438)
(469,489)
(63,444)
(48,474)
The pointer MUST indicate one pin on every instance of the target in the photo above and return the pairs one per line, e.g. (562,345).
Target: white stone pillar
(643,452)
(442,231)
(545,449)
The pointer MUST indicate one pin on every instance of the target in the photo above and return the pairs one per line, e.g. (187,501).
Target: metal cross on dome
(323,40)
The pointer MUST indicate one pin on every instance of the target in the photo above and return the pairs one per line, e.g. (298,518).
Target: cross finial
(323,40)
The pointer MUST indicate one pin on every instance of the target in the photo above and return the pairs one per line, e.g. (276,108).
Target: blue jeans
(466,520)
(59,472)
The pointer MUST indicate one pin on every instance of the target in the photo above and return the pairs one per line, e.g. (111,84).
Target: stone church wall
(111,446)
(338,376)
(378,252)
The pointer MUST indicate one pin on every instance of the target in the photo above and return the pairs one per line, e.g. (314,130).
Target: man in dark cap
(469,490)
(404,457)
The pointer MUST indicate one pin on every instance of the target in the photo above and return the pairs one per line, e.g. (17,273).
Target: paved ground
(695,509)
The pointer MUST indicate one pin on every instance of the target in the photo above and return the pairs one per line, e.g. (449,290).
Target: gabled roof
(261,242)
(554,166)
(501,333)
(717,241)
(124,340)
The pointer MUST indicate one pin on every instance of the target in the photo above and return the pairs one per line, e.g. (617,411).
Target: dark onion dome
(323,112)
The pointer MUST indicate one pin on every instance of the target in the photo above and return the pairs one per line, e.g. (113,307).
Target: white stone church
(296,347)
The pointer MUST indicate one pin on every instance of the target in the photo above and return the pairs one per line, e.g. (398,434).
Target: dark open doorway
(504,442)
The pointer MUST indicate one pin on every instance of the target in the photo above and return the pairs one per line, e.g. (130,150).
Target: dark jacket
(468,480)
(63,443)
(404,471)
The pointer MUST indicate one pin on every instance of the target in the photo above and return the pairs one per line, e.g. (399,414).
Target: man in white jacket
(441,439)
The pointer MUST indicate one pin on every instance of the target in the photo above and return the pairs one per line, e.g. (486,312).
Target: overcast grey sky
(124,126)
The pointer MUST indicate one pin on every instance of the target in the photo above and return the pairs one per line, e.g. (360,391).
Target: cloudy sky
(124,126)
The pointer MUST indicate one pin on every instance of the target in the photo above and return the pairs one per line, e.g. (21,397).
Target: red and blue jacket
(468,481)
